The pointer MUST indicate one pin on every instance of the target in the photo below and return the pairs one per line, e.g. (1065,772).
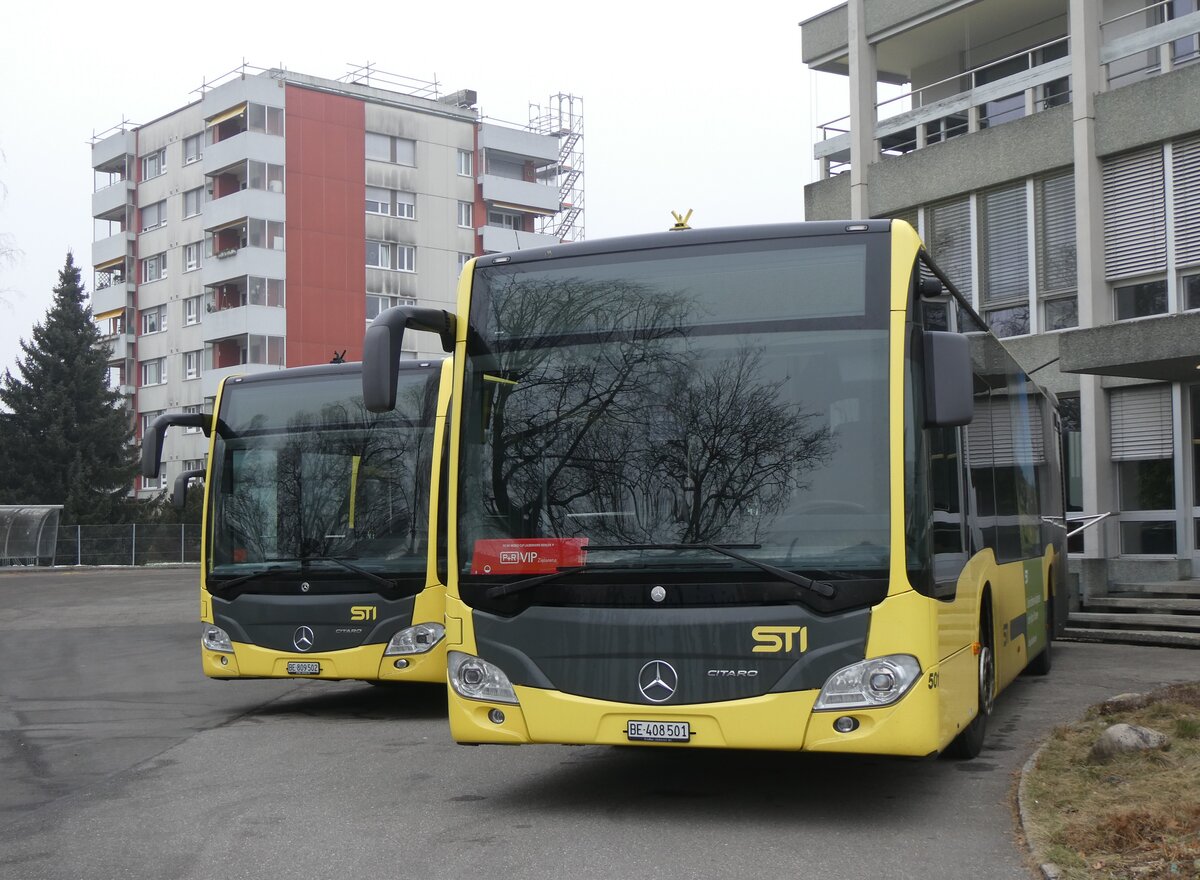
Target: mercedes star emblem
(303,639)
(657,681)
(658,594)
(304,587)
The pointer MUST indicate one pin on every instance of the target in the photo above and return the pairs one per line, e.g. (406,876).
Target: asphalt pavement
(119,759)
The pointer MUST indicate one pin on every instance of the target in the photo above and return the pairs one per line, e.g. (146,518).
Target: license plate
(659,731)
(297,667)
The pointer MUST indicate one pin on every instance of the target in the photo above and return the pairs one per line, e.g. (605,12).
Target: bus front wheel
(969,743)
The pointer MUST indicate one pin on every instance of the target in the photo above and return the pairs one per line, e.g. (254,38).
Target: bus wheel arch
(969,742)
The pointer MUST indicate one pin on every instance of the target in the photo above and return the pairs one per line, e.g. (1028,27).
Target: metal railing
(129,544)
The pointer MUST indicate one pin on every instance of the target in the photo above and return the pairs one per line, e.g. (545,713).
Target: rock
(1123,738)
(1124,703)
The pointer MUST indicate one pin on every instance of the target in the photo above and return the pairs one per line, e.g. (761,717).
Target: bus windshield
(303,475)
(629,408)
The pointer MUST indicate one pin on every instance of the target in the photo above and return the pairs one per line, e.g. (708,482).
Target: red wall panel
(326,253)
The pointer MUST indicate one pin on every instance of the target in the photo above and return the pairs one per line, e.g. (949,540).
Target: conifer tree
(65,439)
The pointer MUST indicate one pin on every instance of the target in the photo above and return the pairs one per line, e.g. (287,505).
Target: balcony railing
(903,127)
(1134,47)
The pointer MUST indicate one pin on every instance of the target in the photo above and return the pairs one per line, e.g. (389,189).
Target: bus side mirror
(179,493)
(949,391)
(155,433)
(382,347)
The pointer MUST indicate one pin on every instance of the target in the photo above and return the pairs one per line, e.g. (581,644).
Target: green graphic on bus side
(1035,608)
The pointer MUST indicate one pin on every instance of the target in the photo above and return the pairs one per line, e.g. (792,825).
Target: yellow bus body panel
(366,662)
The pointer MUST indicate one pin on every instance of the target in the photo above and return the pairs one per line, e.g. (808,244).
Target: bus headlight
(476,679)
(216,639)
(415,639)
(880,681)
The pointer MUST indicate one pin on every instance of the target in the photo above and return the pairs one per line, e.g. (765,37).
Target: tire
(1040,665)
(969,743)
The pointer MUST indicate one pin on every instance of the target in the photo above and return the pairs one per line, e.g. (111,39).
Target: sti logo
(362,612)
(776,639)
(518,557)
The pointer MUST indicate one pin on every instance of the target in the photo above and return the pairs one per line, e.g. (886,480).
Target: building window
(191,256)
(159,482)
(154,268)
(1056,263)
(191,311)
(379,255)
(193,148)
(192,409)
(263,175)
(406,205)
(377,303)
(379,200)
(948,236)
(1190,287)
(464,163)
(154,164)
(1140,300)
(265,234)
(193,464)
(154,216)
(406,258)
(1142,437)
(154,320)
(268,120)
(193,200)
(191,364)
(1004,243)
(463,259)
(154,372)
(264,292)
(148,420)
(465,215)
(386,148)
(506,220)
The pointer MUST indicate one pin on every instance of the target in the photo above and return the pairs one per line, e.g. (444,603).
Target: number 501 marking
(934,679)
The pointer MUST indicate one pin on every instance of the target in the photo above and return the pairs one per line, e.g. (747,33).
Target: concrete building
(266,223)
(1049,153)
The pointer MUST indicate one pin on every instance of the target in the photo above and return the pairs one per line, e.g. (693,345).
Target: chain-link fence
(130,544)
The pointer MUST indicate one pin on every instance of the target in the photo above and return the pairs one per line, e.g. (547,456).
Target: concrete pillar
(863,151)
(1095,303)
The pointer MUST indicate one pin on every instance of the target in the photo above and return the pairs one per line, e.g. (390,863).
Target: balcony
(112,202)
(226,265)
(499,240)
(210,380)
(1131,50)
(111,153)
(247,145)
(243,204)
(121,345)
(520,194)
(116,295)
(261,320)
(520,144)
(111,249)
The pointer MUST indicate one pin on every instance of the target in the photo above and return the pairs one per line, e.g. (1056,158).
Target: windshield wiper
(530,582)
(792,577)
(349,566)
(233,582)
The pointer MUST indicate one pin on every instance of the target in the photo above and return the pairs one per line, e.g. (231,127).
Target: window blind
(1005,245)
(1141,423)
(1135,219)
(1056,234)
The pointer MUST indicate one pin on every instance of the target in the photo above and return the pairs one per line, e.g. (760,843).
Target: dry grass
(1136,817)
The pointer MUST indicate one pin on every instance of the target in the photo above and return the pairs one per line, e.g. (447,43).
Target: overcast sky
(700,106)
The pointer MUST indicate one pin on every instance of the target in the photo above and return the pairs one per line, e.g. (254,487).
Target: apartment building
(267,223)
(1049,153)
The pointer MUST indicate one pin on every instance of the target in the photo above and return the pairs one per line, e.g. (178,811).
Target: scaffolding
(563,118)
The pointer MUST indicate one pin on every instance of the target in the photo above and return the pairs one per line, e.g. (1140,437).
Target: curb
(1050,871)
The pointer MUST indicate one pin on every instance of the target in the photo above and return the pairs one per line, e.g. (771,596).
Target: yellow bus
(738,488)
(316,558)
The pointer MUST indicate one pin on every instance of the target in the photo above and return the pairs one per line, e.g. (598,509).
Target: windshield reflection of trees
(297,492)
(609,417)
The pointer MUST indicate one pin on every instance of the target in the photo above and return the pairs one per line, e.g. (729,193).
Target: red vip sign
(527,555)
